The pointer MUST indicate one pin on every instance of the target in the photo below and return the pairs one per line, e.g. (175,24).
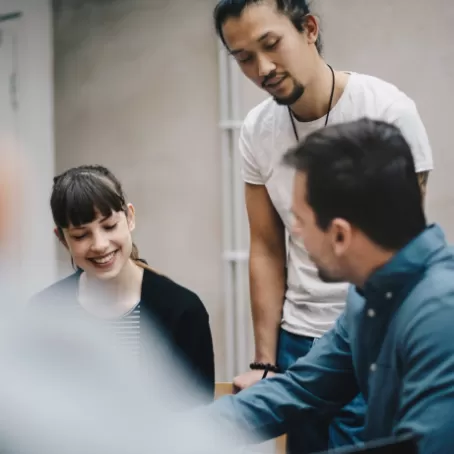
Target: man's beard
(297,92)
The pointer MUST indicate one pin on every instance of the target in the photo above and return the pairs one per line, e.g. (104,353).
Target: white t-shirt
(312,306)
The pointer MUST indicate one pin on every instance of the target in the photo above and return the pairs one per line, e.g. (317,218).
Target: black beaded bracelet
(264,366)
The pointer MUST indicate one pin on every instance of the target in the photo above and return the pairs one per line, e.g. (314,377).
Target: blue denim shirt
(394,343)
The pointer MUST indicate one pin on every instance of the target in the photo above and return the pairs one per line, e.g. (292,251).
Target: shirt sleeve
(427,399)
(405,116)
(313,382)
(250,170)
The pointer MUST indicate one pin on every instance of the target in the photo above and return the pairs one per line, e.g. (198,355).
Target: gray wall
(136,84)
(136,90)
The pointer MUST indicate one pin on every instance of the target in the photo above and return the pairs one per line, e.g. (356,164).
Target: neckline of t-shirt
(322,120)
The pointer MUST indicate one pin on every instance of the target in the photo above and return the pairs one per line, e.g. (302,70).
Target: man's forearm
(323,380)
(267,285)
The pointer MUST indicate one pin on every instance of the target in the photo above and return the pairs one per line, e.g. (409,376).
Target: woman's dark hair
(80,192)
(295,10)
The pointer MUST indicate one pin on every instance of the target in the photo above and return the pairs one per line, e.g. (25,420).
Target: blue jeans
(322,433)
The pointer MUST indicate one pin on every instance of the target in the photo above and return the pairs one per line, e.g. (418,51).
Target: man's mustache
(271,76)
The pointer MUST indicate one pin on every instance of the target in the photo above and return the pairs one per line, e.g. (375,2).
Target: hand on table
(249,378)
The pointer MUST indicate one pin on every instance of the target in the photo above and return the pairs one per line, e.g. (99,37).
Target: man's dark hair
(362,171)
(295,10)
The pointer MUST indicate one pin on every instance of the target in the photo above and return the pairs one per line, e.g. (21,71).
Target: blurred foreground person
(95,223)
(13,173)
(65,387)
(358,211)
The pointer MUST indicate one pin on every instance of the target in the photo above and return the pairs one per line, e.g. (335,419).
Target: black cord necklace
(333,85)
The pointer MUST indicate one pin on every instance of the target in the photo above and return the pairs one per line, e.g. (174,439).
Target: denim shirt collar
(407,263)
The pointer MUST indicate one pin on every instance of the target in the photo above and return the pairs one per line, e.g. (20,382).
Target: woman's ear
(58,233)
(131,216)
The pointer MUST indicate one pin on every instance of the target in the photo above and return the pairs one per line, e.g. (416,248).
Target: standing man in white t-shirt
(277,45)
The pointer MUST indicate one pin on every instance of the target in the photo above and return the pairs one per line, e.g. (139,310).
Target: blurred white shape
(67,387)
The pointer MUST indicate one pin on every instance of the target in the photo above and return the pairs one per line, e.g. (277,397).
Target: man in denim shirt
(358,209)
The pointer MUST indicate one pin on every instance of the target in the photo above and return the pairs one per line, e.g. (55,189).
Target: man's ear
(311,27)
(60,237)
(341,235)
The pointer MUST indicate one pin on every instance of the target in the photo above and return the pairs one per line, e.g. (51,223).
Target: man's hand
(247,379)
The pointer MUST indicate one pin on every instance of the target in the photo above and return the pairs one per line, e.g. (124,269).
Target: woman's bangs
(85,198)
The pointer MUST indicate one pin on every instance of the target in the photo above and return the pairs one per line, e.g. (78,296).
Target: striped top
(125,328)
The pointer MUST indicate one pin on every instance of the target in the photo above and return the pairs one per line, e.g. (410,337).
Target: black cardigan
(178,312)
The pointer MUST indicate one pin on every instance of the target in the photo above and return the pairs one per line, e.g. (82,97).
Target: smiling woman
(95,223)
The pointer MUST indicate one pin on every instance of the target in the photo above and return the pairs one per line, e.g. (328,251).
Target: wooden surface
(223,389)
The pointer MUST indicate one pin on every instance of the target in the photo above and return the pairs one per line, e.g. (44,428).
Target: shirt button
(373,367)
(370,313)
(388,295)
